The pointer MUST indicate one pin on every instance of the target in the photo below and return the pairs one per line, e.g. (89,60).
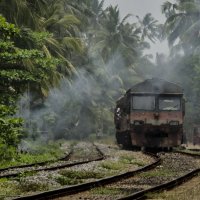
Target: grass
(190,151)
(36,153)
(111,165)
(128,159)
(8,189)
(188,190)
(121,163)
(68,181)
(32,186)
(70,177)
(157,173)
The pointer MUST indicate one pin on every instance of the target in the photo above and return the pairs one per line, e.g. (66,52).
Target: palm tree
(182,25)
(20,13)
(148,28)
(59,37)
(97,11)
(112,37)
(21,67)
(66,35)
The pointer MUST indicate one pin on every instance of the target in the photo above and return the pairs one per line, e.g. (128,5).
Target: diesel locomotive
(150,114)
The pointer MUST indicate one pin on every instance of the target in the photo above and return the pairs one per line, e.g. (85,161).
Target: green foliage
(158,173)
(67,181)
(182,24)
(49,43)
(8,188)
(180,29)
(111,165)
(34,153)
(75,177)
(131,160)
(7,30)
(10,132)
(32,185)
(107,53)
(19,67)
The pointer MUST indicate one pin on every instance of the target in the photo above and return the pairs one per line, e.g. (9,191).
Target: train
(150,115)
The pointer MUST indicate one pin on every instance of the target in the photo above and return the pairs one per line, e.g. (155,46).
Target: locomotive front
(151,115)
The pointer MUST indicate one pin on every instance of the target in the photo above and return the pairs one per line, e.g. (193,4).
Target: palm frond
(68,21)
(125,18)
(192,31)
(74,44)
(190,7)
(46,51)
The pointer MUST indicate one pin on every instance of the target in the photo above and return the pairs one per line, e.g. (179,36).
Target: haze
(141,8)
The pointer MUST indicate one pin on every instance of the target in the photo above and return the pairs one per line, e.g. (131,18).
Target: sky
(140,8)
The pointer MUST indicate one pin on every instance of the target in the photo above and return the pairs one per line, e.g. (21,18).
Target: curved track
(171,184)
(87,186)
(43,166)
(167,185)
(66,157)
(111,180)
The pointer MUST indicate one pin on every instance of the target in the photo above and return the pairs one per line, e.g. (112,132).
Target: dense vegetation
(64,63)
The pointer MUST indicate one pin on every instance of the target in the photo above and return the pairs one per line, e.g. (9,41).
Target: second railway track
(135,184)
(87,186)
(186,171)
(174,169)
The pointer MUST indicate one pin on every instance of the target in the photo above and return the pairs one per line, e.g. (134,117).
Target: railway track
(61,163)
(113,181)
(143,194)
(37,164)
(87,186)
(165,186)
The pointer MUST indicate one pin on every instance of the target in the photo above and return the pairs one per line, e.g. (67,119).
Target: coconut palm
(21,12)
(97,11)
(112,35)
(182,25)
(59,37)
(149,28)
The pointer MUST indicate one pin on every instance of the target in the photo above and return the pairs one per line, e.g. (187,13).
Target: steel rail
(193,154)
(165,186)
(195,150)
(86,186)
(101,157)
(169,185)
(66,157)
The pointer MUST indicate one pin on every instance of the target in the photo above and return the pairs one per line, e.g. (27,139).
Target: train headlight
(138,122)
(174,123)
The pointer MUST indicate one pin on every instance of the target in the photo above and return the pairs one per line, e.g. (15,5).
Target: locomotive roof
(156,86)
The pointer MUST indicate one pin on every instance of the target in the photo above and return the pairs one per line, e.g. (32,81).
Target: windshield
(169,103)
(143,102)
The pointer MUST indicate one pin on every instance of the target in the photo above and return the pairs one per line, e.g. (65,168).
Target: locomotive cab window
(169,103)
(143,102)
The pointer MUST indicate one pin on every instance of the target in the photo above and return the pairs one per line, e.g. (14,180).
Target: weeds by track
(64,162)
(142,193)
(87,186)
(66,157)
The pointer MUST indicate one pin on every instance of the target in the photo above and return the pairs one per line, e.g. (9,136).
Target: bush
(10,132)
